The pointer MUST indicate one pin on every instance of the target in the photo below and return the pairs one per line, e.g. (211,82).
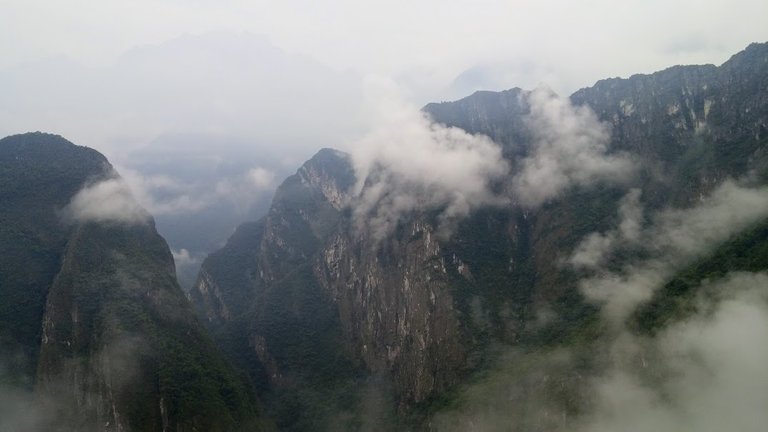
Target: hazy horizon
(289,76)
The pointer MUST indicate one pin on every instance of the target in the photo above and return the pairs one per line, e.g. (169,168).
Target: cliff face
(110,340)
(396,307)
(303,297)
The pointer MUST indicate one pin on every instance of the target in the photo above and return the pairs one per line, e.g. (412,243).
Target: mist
(108,200)
(569,149)
(672,241)
(229,84)
(202,127)
(49,403)
(204,108)
(705,372)
(408,164)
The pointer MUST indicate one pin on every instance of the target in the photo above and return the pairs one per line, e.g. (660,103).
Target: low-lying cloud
(407,164)
(706,374)
(109,200)
(674,238)
(69,400)
(569,148)
(702,373)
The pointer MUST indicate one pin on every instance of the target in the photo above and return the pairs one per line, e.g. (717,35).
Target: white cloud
(409,164)
(183,258)
(106,201)
(570,148)
(69,74)
(674,238)
(706,374)
(261,178)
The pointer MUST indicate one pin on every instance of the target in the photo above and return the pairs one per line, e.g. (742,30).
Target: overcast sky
(116,75)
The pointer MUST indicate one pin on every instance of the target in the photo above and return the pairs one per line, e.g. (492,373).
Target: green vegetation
(38,174)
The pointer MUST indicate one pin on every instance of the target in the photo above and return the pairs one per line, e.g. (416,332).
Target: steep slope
(33,237)
(267,310)
(420,310)
(93,306)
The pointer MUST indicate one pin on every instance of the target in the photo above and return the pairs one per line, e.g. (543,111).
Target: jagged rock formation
(303,299)
(93,321)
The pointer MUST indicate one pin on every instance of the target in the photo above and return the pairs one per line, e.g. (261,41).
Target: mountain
(617,203)
(264,305)
(95,332)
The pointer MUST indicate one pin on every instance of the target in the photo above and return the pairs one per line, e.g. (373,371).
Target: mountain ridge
(422,311)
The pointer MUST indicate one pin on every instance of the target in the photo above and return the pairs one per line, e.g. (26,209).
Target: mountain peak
(91,309)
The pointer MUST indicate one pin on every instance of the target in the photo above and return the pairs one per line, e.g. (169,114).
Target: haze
(204,106)
(190,57)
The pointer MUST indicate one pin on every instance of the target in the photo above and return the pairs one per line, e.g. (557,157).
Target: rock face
(105,335)
(313,307)
(399,305)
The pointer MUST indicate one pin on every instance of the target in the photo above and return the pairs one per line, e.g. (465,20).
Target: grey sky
(422,45)
(183,88)
(585,40)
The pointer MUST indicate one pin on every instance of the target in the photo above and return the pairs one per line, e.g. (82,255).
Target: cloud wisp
(569,148)
(706,374)
(698,374)
(109,200)
(674,238)
(592,252)
(407,164)
(702,373)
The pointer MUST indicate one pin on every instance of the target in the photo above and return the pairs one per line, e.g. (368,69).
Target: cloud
(407,163)
(518,394)
(261,178)
(570,148)
(674,238)
(182,257)
(69,400)
(704,374)
(165,194)
(696,375)
(243,190)
(109,200)
(594,249)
